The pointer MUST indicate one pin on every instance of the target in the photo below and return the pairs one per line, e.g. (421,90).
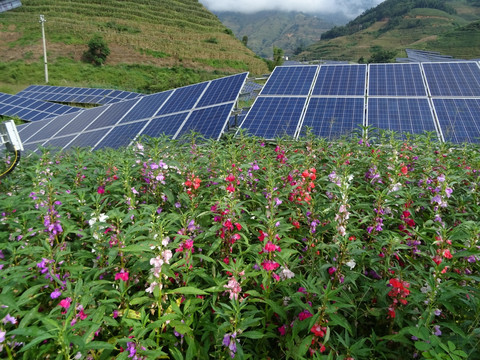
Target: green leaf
(253,334)
(422,346)
(187,290)
(36,341)
(99,345)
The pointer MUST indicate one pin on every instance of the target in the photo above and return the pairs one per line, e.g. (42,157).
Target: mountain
(448,26)
(154,44)
(290,31)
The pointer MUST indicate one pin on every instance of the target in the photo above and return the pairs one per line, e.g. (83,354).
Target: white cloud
(350,8)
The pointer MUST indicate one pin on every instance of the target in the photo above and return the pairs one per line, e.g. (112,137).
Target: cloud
(350,8)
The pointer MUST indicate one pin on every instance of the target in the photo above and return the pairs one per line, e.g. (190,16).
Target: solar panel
(165,125)
(163,113)
(336,80)
(290,80)
(6,5)
(411,115)
(333,117)
(112,115)
(221,91)
(271,117)
(121,135)
(30,109)
(183,99)
(210,122)
(453,79)
(395,80)
(77,94)
(86,139)
(147,107)
(459,119)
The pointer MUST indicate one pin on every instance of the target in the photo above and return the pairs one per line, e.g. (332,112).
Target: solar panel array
(204,108)
(79,95)
(30,109)
(334,100)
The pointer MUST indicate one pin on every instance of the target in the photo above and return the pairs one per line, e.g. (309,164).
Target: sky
(350,8)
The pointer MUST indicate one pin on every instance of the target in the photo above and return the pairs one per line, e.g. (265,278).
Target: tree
(245,40)
(277,58)
(97,52)
(380,55)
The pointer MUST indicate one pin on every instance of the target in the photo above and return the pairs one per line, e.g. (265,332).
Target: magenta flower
(270,265)
(101,190)
(65,303)
(122,275)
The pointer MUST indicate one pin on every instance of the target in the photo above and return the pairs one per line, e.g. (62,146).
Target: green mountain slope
(158,44)
(290,31)
(394,25)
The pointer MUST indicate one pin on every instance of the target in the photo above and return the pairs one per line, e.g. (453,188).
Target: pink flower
(230,178)
(101,189)
(122,275)
(230,188)
(269,247)
(233,287)
(270,265)
(65,303)
(281,330)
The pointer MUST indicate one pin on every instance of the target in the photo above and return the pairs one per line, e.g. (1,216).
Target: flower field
(243,249)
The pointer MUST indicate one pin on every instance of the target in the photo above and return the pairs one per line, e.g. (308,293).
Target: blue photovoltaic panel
(82,121)
(459,119)
(30,109)
(121,135)
(395,80)
(209,122)
(52,127)
(59,142)
(453,79)
(32,129)
(76,94)
(411,115)
(271,117)
(222,90)
(290,80)
(337,80)
(333,117)
(165,125)
(146,107)
(86,139)
(112,115)
(183,99)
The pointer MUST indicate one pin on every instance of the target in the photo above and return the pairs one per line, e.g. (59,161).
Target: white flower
(165,241)
(286,273)
(351,264)
(167,255)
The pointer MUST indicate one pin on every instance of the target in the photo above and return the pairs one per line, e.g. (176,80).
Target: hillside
(154,44)
(446,26)
(290,31)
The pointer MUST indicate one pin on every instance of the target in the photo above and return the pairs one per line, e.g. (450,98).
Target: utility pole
(42,21)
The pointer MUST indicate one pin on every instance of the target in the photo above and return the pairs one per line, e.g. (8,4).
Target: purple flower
(55,294)
(437,312)
(437,330)
(131,349)
(9,319)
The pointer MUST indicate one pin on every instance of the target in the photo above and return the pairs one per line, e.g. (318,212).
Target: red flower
(404,170)
(230,188)
(230,178)
(101,189)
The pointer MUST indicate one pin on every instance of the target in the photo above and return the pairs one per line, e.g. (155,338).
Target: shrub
(97,52)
